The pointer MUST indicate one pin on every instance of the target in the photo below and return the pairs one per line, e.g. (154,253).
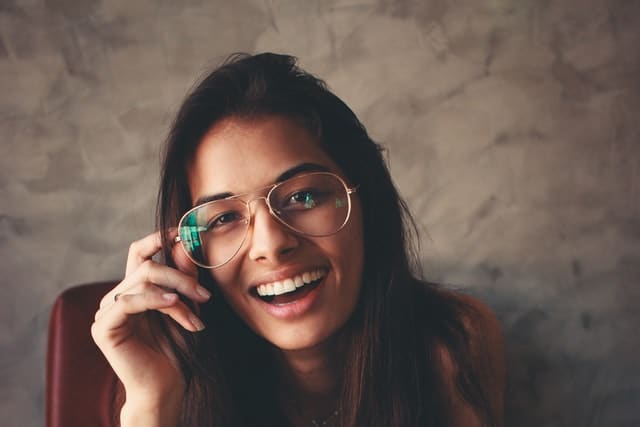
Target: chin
(303,338)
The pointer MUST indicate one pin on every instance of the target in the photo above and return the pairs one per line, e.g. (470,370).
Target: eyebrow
(289,173)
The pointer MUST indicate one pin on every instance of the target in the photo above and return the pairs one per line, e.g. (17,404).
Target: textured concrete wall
(512,128)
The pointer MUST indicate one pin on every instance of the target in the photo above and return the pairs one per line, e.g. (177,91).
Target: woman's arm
(162,413)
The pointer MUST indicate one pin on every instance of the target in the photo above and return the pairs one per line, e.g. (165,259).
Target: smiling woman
(239,155)
(290,298)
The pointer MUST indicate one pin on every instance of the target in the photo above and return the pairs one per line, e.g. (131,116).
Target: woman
(291,298)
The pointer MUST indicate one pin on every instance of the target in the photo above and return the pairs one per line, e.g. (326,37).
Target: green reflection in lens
(309,202)
(190,234)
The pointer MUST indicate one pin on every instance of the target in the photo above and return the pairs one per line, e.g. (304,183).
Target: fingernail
(197,323)
(203,292)
(170,296)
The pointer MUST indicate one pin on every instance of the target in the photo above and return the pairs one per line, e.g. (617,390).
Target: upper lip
(284,273)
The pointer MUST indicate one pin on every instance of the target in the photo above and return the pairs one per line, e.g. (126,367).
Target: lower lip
(295,308)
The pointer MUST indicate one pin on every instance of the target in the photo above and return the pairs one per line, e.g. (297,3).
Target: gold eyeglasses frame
(239,197)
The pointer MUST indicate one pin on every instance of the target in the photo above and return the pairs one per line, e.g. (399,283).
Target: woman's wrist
(156,412)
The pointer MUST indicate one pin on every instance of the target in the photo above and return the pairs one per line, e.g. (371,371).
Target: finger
(113,317)
(151,273)
(184,264)
(168,300)
(184,317)
(145,248)
(172,279)
(110,297)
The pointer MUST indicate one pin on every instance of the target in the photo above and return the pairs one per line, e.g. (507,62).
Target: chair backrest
(81,386)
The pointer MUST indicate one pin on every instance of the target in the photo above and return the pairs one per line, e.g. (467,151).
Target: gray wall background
(512,128)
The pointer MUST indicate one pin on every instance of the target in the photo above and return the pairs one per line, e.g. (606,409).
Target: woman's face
(242,156)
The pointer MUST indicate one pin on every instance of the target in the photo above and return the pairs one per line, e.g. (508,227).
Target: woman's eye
(223,219)
(307,199)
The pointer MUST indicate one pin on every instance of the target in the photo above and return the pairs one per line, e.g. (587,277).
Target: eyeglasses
(316,204)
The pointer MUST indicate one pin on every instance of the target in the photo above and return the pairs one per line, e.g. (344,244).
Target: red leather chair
(81,387)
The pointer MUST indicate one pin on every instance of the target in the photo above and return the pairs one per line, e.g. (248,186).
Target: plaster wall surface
(511,127)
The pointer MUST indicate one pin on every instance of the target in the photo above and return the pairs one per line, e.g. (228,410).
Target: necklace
(315,422)
(319,423)
(302,415)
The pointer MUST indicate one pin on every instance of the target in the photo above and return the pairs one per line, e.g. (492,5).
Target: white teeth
(278,289)
(289,284)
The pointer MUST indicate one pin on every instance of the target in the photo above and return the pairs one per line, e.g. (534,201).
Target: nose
(269,239)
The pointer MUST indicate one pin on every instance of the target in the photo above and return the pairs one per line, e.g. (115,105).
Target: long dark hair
(392,376)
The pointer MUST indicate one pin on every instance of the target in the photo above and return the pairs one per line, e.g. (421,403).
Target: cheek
(225,279)
(351,251)
(356,228)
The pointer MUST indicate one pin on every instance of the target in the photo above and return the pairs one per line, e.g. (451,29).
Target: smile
(291,284)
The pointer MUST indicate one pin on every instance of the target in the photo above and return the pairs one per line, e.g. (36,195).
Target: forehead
(239,155)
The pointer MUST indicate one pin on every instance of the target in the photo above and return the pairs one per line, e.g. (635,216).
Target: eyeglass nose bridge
(272,212)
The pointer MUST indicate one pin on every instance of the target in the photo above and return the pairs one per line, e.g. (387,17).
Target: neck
(311,381)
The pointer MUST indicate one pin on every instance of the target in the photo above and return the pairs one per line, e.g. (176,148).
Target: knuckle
(147,264)
(107,298)
(133,247)
(96,332)
(147,269)
(122,299)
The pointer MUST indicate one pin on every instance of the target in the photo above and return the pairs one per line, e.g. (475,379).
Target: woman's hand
(153,383)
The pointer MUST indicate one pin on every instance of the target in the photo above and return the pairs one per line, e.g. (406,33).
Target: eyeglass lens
(315,204)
